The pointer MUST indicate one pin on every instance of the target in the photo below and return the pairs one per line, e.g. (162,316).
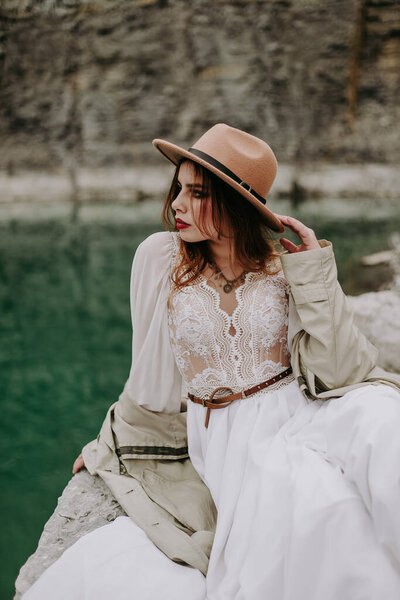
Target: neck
(222,252)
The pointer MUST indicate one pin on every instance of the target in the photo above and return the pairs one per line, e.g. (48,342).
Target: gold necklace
(228,287)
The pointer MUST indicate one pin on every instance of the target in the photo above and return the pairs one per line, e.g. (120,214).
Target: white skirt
(308,499)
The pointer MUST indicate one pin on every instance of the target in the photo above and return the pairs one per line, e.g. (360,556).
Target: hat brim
(175,153)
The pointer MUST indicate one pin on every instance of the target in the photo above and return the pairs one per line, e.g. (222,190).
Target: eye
(177,189)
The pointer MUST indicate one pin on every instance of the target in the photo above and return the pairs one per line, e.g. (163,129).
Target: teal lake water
(65,352)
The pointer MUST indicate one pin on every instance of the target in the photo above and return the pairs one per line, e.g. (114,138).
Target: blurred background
(84,88)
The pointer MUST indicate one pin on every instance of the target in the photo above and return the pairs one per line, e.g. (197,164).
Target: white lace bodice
(236,339)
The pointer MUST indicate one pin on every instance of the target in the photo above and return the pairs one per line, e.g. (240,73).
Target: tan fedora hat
(242,160)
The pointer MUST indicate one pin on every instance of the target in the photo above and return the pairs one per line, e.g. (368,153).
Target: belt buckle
(223,387)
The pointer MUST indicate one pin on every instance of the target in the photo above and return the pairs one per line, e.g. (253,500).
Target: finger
(282,218)
(290,247)
(77,464)
(295,225)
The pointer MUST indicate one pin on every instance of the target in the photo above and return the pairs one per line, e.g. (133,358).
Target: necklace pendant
(228,287)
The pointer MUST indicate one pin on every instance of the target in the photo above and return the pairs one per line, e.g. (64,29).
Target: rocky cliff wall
(91,83)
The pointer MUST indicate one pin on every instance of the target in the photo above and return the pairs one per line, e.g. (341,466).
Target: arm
(146,417)
(328,350)
(160,492)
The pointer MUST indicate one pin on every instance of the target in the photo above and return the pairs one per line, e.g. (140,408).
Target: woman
(277,474)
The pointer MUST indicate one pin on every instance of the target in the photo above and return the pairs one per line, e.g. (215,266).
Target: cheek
(194,211)
(197,208)
(208,212)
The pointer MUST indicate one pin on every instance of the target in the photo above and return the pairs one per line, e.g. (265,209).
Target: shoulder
(156,243)
(157,247)
(276,277)
(274,268)
(154,255)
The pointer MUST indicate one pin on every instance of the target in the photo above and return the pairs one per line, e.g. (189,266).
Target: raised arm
(328,349)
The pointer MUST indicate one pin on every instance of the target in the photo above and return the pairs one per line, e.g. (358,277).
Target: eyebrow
(194,185)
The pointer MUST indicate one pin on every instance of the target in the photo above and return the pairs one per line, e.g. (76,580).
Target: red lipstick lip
(180,221)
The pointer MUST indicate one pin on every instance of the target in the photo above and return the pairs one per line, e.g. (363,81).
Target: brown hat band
(215,163)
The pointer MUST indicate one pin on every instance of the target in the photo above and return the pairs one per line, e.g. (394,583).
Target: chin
(191,236)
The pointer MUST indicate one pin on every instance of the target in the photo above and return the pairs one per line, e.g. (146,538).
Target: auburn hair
(247,226)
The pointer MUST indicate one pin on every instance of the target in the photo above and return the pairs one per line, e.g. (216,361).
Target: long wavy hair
(247,226)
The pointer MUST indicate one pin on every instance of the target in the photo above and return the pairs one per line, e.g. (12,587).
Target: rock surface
(377,314)
(86,502)
(92,83)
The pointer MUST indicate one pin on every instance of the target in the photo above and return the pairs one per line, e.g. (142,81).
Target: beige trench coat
(141,451)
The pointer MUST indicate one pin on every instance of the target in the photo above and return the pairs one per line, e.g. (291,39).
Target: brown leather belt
(226,400)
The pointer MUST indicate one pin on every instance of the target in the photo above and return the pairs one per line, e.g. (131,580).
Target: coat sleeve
(146,421)
(327,348)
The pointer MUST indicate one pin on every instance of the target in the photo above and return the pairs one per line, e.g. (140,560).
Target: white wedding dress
(307,493)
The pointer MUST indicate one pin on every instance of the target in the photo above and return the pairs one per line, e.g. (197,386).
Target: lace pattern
(237,339)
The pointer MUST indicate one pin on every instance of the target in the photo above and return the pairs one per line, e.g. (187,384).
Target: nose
(178,203)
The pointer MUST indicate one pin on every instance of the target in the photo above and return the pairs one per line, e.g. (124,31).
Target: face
(188,183)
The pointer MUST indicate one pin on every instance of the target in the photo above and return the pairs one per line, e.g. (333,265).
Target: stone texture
(85,504)
(377,314)
(91,83)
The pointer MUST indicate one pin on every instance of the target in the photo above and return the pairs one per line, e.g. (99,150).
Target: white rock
(85,504)
(377,314)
